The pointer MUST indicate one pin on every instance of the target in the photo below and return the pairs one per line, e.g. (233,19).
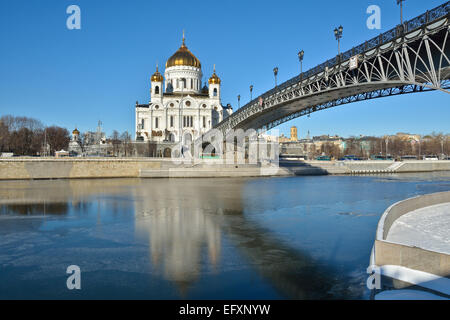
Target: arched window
(215,116)
(188,121)
(187,139)
(157,90)
(215,92)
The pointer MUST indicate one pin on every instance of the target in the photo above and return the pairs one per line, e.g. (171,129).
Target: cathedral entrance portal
(167,153)
(187,142)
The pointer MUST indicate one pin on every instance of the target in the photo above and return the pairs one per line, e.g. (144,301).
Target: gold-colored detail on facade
(157,77)
(214,78)
(183,57)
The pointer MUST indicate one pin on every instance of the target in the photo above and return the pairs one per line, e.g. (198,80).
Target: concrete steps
(372,171)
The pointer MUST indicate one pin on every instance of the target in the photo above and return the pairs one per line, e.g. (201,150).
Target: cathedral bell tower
(214,86)
(156,92)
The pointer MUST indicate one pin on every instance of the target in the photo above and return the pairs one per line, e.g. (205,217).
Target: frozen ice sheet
(427,228)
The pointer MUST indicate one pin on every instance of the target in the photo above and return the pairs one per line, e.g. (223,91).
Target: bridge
(412,57)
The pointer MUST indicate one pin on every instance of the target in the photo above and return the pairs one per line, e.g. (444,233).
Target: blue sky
(76,77)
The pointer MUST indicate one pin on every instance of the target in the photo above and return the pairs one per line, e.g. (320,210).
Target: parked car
(323,158)
(403,158)
(350,158)
(6,154)
(381,157)
(431,158)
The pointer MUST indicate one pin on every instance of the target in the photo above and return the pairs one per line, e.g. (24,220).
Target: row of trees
(396,146)
(28,137)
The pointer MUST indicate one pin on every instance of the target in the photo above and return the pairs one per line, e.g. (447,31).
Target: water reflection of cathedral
(183,222)
(184,238)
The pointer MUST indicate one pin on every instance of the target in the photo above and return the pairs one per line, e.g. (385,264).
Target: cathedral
(180,108)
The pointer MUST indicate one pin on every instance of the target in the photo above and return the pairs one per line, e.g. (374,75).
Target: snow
(427,228)
(407,295)
(415,277)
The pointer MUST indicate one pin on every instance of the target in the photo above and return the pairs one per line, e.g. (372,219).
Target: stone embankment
(80,168)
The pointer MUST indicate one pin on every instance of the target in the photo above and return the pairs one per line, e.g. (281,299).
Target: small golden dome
(76,131)
(214,78)
(157,77)
(183,57)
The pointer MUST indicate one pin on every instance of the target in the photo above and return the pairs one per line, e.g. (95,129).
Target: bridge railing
(398,31)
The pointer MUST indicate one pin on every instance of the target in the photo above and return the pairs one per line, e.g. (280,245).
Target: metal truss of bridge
(413,57)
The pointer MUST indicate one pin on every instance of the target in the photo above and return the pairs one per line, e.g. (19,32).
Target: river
(262,238)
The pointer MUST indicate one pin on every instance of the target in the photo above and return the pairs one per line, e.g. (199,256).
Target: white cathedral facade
(180,109)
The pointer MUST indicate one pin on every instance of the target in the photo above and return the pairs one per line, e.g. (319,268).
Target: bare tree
(58,138)
(115,140)
(126,142)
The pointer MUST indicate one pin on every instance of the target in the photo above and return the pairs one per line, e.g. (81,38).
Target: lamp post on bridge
(251,92)
(239,101)
(442,146)
(301,54)
(275,73)
(400,2)
(338,34)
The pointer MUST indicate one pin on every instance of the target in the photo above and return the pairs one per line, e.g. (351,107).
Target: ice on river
(427,228)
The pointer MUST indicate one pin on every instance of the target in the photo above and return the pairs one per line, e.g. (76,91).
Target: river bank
(81,168)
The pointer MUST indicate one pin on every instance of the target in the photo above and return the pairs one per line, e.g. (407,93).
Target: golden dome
(76,132)
(214,78)
(157,77)
(183,57)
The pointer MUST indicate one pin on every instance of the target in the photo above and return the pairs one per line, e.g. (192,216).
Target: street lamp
(400,2)
(420,146)
(338,34)
(300,57)
(275,73)
(442,145)
(239,101)
(387,143)
(251,92)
